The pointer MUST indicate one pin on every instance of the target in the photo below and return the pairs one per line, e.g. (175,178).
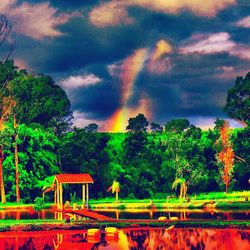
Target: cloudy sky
(117,58)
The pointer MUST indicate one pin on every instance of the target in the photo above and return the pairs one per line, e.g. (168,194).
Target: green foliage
(143,163)
(83,152)
(177,125)
(179,181)
(39,100)
(8,71)
(156,127)
(46,183)
(37,160)
(241,146)
(238,100)
(39,203)
(92,127)
(138,123)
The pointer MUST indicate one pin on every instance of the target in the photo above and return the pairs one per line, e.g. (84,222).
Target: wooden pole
(54,193)
(87,194)
(83,196)
(58,195)
(61,196)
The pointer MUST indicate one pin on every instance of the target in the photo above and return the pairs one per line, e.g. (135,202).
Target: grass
(233,200)
(222,195)
(41,225)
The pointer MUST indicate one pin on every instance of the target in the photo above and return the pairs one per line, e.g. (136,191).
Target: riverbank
(47,225)
(218,200)
(213,200)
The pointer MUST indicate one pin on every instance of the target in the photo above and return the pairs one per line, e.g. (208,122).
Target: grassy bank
(221,200)
(47,225)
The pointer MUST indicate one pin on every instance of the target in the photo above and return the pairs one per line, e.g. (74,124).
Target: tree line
(37,140)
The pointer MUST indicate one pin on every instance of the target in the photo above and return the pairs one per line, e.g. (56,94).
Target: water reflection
(131,239)
(133,214)
(181,214)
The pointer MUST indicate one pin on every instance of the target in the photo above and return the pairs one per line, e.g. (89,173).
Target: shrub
(39,203)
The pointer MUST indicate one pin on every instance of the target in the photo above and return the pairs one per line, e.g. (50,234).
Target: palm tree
(183,186)
(115,189)
(46,185)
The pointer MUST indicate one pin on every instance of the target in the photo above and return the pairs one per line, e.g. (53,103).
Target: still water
(135,214)
(131,239)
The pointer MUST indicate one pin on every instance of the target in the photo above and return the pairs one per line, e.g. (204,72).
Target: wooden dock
(88,214)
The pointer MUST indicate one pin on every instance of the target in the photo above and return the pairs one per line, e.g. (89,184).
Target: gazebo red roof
(74,178)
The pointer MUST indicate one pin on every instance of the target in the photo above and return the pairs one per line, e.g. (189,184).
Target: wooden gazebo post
(57,195)
(87,195)
(83,196)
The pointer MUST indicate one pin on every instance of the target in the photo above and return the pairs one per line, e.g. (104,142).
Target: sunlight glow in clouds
(34,20)
(215,43)
(115,12)
(158,62)
(208,44)
(74,82)
(110,14)
(245,22)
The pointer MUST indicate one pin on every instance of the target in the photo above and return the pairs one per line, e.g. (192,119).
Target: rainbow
(130,69)
(128,74)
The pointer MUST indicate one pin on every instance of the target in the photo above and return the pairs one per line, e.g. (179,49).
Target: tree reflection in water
(195,239)
(132,239)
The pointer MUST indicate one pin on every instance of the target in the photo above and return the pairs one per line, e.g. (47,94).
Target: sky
(116,58)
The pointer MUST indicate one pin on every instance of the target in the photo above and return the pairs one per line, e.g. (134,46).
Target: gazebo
(60,179)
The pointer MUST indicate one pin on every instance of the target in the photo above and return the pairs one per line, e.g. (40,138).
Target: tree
(138,123)
(6,108)
(225,155)
(183,186)
(156,127)
(115,189)
(82,152)
(241,146)
(6,36)
(37,160)
(46,185)
(238,100)
(92,127)
(39,100)
(177,125)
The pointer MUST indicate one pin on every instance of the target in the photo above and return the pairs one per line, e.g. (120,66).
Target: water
(131,239)
(181,214)
(136,214)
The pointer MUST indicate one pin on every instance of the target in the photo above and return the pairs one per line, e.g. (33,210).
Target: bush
(39,203)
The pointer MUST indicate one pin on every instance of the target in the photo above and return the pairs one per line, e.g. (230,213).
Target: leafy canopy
(238,100)
(138,123)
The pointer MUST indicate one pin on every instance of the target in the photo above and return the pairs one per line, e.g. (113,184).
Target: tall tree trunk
(227,187)
(16,162)
(116,196)
(3,198)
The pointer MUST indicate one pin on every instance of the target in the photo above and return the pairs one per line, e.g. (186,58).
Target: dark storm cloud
(99,101)
(83,45)
(65,4)
(195,85)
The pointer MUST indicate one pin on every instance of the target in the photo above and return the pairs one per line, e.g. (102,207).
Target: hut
(82,179)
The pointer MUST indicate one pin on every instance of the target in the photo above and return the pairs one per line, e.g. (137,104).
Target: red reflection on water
(132,238)
(178,239)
